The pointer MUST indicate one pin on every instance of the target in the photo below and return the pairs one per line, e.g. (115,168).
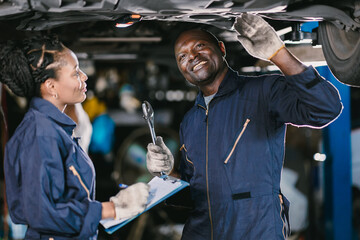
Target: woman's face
(70,84)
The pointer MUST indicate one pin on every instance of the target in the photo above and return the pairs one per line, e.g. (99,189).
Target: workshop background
(321,175)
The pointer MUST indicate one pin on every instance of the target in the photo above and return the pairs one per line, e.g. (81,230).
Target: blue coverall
(232,152)
(50,180)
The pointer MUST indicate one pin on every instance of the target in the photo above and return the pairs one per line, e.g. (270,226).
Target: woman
(50,181)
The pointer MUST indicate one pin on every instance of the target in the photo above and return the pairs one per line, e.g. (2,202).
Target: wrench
(149,118)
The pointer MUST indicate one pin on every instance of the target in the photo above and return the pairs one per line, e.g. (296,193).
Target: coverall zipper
(72,168)
(207,170)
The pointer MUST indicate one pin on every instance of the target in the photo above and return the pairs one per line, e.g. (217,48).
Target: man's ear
(222,48)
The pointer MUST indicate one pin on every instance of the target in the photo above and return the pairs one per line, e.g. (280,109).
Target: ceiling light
(127,21)
(124,25)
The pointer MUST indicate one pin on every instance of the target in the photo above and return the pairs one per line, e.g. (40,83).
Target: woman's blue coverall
(50,180)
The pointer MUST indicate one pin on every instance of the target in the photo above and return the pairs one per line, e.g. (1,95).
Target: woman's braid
(24,66)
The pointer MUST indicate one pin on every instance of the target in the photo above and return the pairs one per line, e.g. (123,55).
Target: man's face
(198,57)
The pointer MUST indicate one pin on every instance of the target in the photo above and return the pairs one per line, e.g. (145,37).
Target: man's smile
(199,65)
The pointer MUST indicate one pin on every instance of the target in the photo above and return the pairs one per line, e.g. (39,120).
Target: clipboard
(161,188)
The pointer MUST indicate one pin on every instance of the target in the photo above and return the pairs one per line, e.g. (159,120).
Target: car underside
(86,24)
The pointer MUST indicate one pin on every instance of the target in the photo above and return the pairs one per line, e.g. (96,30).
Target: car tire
(342,52)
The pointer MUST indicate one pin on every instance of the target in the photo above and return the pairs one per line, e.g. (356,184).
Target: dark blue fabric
(43,191)
(255,159)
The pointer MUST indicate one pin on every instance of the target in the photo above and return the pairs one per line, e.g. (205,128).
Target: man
(232,140)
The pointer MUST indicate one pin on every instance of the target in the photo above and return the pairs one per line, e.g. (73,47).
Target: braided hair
(25,65)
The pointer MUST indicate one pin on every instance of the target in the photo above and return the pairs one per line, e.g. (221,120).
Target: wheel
(342,52)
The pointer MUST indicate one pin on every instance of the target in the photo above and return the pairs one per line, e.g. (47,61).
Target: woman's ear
(48,88)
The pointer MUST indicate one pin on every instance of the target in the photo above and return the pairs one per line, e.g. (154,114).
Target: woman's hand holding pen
(159,158)
(131,201)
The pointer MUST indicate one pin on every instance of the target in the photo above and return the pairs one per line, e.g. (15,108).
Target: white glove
(159,158)
(257,37)
(131,201)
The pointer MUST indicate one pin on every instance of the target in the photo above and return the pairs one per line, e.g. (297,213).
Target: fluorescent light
(82,55)
(284,31)
(271,68)
(120,56)
(122,39)
(302,41)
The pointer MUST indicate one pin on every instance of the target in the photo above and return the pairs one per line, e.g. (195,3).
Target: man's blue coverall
(232,151)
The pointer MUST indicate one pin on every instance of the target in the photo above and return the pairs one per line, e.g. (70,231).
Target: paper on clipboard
(160,190)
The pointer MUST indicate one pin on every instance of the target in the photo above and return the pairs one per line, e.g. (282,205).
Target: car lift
(337,168)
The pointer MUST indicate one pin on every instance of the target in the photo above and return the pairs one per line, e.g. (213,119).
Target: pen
(163,176)
(123,186)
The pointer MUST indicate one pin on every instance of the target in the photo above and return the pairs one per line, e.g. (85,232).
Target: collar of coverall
(226,86)
(51,111)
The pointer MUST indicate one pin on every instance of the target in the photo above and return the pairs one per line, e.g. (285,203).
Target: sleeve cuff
(310,77)
(92,219)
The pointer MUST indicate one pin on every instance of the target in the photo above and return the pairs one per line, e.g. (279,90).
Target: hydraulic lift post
(337,168)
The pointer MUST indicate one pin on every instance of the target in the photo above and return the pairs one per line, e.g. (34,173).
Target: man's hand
(130,201)
(159,158)
(257,36)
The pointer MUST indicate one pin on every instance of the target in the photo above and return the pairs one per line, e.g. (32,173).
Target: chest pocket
(239,135)
(79,172)
(77,175)
(189,167)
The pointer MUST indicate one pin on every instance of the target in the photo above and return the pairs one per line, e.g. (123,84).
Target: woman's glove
(257,37)
(159,158)
(131,201)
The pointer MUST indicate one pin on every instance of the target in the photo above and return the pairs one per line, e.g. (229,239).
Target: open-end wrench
(149,118)
(148,115)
